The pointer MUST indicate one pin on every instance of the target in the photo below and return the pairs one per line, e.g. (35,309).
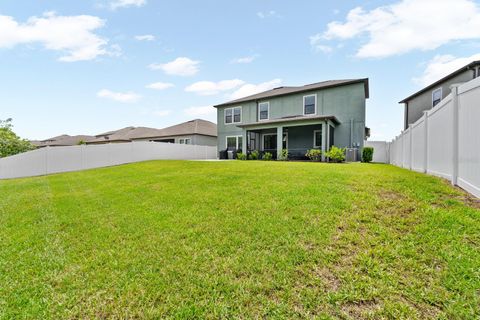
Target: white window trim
(268,111)
(303,106)
(441,94)
(233,115)
(187,139)
(314,134)
(236,141)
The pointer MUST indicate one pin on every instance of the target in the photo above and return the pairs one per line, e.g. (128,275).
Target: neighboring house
(317,115)
(428,97)
(62,140)
(198,132)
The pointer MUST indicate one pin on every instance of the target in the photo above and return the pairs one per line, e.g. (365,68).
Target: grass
(184,240)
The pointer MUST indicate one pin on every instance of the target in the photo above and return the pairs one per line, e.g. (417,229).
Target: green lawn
(238,239)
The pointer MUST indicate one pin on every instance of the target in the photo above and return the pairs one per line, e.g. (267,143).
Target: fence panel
(418,146)
(381,151)
(469,137)
(73,158)
(407,136)
(440,143)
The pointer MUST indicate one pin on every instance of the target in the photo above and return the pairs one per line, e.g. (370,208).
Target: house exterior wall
(346,103)
(415,107)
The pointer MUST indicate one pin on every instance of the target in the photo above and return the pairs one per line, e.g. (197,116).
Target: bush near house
(314,154)
(254,155)
(241,156)
(336,154)
(267,156)
(284,155)
(367,154)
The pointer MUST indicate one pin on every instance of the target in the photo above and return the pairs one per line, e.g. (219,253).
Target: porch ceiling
(287,120)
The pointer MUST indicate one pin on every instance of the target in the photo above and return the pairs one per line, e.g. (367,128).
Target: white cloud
(145,37)
(249,89)
(406,26)
(160,85)
(247,59)
(206,88)
(442,65)
(126,3)
(162,113)
(72,35)
(124,97)
(268,14)
(181,66)
(200,111)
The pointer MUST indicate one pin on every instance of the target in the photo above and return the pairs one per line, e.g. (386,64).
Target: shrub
(267,156)
(314,154)
(336,154)
(284,155)
(254,155)
(241,156)
(367,154)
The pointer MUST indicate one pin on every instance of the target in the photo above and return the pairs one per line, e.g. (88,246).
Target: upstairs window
(436,96)
(263,110)
(310,104)
(233,115)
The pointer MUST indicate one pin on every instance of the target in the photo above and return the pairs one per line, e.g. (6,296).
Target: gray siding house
(316,115)
(428,97)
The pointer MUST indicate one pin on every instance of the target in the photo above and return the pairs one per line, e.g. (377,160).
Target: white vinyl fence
(446,141)
(73,158)
(381,150)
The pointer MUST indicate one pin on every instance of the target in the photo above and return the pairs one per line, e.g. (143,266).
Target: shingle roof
(197,126)
(436,83)
(62,140)
(280,91)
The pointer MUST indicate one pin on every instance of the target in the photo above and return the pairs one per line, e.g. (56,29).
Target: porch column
(244,141)
(324,139)
(279,141)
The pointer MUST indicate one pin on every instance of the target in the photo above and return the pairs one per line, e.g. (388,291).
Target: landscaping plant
(254,155)
(336,154)
(314,154)
(241,156)
(267,156)
(367,154)
(284,155)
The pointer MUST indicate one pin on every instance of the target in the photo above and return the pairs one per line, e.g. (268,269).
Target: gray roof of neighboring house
(62,140)
(280,91)
(447,77)
(197,126)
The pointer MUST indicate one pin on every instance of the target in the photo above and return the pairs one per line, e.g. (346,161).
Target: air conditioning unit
(351,155)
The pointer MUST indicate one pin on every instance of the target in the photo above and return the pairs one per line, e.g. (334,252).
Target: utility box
(351,155)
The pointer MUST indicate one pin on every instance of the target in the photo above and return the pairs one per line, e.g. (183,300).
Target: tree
(10,143)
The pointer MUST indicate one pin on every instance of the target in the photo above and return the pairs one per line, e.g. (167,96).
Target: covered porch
(296,134)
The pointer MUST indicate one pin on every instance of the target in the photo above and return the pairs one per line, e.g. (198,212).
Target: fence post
(425,155)
(454,90)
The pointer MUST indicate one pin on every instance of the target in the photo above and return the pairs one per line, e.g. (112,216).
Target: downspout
(351,133)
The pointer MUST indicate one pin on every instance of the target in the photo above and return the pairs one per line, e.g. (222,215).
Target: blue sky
(84,67)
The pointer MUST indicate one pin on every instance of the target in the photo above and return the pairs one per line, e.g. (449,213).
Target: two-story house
(316,115)
(428,97)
